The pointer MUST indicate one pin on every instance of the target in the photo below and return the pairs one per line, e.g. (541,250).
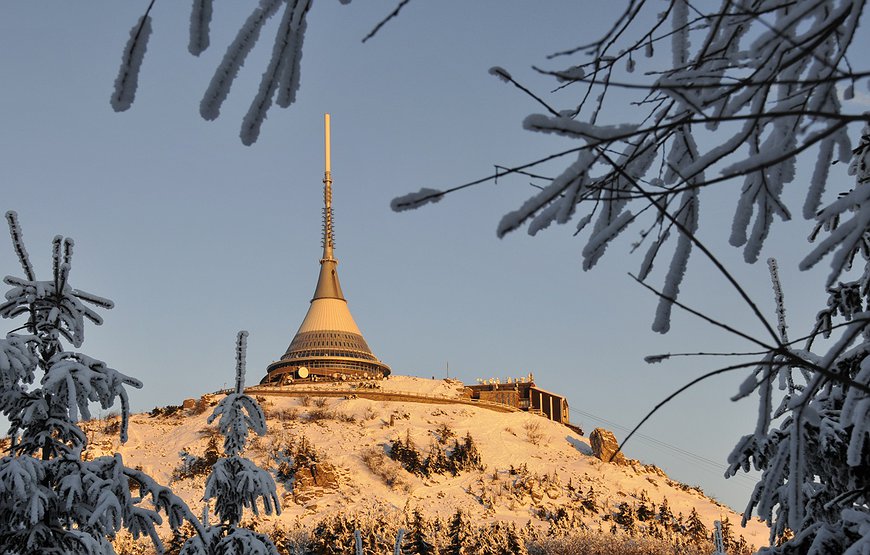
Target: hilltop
(328,449)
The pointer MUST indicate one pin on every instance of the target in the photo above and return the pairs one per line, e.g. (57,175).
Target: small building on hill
(525,395)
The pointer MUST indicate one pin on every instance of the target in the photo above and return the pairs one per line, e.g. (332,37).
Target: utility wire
(683,454)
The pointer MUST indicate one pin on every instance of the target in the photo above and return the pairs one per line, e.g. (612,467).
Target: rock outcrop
(313,481)
(605,446)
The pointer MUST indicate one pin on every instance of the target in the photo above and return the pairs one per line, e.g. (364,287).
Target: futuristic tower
(328,344)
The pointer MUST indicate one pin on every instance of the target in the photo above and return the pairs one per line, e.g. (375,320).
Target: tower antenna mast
(328,243)
(328,344)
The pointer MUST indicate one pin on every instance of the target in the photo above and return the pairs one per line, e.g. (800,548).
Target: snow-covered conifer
(513,541)
(625,517)
(418,538)
(236,483)
(695,528)
(460,535)
(813,424)
(52,501)
(465,455)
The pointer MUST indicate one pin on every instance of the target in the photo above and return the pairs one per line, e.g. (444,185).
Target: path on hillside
(376,395)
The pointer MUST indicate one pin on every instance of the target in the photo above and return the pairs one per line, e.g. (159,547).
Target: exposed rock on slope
(605,447)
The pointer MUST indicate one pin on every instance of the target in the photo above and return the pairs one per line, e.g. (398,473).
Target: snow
(688,219)
(131,63)
(501,438)
(282,72)
(415,200)
(578,129)
(200,18)
(501,73)
(226,72)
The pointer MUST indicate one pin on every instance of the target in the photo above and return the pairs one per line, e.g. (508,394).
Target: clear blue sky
(195,236)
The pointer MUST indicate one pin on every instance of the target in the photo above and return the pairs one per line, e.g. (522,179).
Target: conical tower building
(328,344)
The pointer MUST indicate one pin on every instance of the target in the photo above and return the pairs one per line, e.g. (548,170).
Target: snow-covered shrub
(192,466)
(370,414)
(236,483)
(321,413)
(588,543)
(533,432)
(385,469)
(169,411)
(200,406)
(52,501)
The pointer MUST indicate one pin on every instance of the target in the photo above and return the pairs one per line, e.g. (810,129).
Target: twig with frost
(384,21)
(131,63)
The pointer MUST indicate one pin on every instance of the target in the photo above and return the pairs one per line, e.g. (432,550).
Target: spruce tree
(666,517)
(514,543)
(695,528)
(236,482)
(407,455)
(465,455)
(644,511)
(459,535)
(727,533)
(590,502)
(625,517)
(436,461)
(52,501)
(486,540)
(418,540)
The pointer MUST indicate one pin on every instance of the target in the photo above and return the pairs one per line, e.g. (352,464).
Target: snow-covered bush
(195,465)
(387,470)
(52,501)
(236,483)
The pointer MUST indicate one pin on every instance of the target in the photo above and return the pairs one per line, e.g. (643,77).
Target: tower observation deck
(328,344)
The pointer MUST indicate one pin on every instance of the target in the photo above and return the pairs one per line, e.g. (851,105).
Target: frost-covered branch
(200,19)
(381,23)
(758,79)
(282,74)
(131,63)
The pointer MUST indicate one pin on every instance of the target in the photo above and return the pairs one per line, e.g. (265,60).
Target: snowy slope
(533,466)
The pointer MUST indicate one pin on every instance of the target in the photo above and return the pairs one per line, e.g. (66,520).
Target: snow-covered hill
(330,449)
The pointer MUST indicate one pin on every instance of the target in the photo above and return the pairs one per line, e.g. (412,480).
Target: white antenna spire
(328,243)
